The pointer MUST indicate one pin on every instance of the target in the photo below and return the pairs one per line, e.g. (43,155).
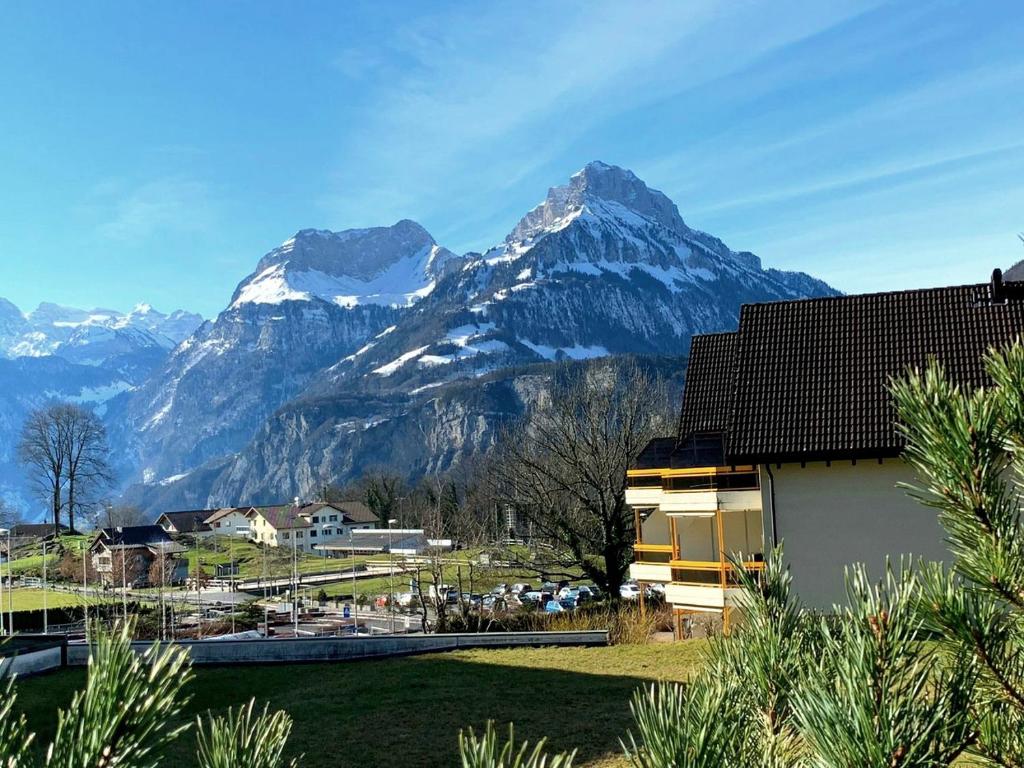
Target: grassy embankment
(408,711)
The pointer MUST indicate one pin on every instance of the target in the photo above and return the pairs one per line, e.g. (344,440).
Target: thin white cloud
(489,99)
(134,214)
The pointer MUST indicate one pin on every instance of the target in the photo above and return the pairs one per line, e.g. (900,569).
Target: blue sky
(153,152)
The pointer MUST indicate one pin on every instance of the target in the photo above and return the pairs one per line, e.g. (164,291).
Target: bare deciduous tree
(64,448)
(42,451)
(563,467)
(9,516)
(87,470)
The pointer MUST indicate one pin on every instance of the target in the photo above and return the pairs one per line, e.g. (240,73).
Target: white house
(306,525)
(788,433)
(230,521)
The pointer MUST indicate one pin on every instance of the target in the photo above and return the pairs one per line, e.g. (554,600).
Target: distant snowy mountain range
(344,350)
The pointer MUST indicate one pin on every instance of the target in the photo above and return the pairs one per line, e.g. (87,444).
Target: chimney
(996,293)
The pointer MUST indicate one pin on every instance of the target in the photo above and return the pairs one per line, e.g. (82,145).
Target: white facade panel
(831,516)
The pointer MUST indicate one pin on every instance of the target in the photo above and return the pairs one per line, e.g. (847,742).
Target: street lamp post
(391,579)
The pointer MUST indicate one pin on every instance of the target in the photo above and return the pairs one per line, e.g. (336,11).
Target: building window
(286,535)
(312,534)
(334,518)
(316,519)
(299,534)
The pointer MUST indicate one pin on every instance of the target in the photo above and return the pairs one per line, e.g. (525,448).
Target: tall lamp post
(391,578)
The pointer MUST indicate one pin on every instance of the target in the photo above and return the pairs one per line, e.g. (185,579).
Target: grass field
(409,711)
(32,599)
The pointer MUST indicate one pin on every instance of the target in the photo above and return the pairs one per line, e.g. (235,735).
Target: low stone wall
(328,649)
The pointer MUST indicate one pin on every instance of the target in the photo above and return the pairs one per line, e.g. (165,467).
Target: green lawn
(408,711)
(32,599)
(221,550)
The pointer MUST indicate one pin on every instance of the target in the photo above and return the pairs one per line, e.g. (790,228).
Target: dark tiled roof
(33,530)
(188,522)
(134,536)
(356,512)
(812,376)
(710,373)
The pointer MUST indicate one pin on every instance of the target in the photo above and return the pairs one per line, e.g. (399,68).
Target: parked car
(501,589)
(655,590)
(519,588)
(405,599)
(629,592)
(553,606)
(595,591)
(566,591)
(549,586)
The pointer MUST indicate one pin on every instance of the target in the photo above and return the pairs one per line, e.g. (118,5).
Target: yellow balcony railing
(710,573)
(653,554)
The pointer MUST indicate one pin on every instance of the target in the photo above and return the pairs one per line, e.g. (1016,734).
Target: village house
(192,522)
(788,434)
(230,521)
(304,526)
(125,555)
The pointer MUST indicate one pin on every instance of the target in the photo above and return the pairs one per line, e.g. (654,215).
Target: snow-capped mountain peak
(53,329)
(388,266)
(598,188)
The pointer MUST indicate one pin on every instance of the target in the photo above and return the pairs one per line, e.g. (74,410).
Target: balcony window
(643,481)
(732,481)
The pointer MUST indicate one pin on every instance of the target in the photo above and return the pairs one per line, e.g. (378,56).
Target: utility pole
(3,627)
(295,570)
(10,583)
(199,597)
(85,591)
(391,579)
(355,600)
(124,584)
(46,623)
(163,608)
(231,555)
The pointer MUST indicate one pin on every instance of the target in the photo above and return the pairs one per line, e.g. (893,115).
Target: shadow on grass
(404,712)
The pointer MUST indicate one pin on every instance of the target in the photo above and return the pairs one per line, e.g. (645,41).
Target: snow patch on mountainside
(389,368)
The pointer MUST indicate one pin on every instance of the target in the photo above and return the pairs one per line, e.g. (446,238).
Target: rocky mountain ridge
(325,363)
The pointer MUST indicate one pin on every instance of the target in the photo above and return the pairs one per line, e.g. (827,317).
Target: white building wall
(830,516)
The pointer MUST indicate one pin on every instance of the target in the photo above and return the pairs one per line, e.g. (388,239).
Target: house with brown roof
(230,521)
(125,555)
(788,432)
(305,526)
(191,522)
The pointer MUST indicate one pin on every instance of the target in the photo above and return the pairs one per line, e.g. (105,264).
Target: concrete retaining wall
(31,662)
(315,649)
